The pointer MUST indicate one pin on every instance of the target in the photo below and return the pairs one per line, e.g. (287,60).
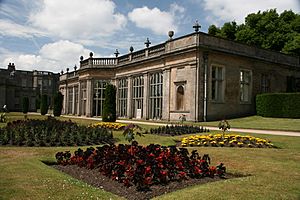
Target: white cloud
(52,57)
(228,10)
(160,22)
(77,19)
(9,28)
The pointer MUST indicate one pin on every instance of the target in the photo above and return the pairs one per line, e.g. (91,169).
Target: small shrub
(2,117)
(110,125)
(58,104)
(44,104)
(25,105)
(109,105)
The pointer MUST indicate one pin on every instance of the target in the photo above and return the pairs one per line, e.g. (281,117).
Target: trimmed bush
(109,105)
(25,105)
(44,104)
(286,105)
(58,104)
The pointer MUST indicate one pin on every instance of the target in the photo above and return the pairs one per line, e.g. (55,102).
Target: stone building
(197,75)
(16,84)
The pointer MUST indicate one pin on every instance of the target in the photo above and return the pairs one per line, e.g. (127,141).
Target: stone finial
(62,72)
(81,58)
(117,53)
(67,69)
(147,43)
(91,54)
(75,67)
(171,34)
(131,49)
(196,26)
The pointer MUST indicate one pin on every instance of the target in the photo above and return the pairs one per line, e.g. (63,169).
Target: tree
(266,29)
(25,105)
(57,104)
(109,105)
(44,104)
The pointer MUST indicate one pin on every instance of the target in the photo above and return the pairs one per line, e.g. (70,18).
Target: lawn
(258,122)
(273,173)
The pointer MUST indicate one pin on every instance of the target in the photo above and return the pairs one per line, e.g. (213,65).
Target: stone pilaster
(129,97)
(146,97)
(89,98)
(73,98)
(79,99)
(166,95)
(66,100)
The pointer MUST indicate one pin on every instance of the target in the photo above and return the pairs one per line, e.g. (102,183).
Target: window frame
(248,101)
(220,82)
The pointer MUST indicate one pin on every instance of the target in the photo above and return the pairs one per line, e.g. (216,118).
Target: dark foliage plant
(143,166)
(109,105)
(25,105)
(57,104)
(177,130)
(52,132)
(44,104)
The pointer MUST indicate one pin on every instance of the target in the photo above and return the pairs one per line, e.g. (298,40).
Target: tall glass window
(122,97)
(155,96)
(265,83)
(98,96)
(83,97)
(245,85)
(70,99)
(217,83)
(138,94)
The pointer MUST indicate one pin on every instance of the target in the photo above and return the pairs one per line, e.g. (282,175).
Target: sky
(51,35)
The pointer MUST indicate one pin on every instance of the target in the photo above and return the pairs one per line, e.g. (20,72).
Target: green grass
(274,173)
(257,122)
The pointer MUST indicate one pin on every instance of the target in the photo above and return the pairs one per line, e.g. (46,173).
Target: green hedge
(109,105)
(44,104)
(285,105)
(25,105)
(57,104)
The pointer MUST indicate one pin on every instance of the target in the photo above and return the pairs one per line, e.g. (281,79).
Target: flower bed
(109,125)
(228,140)
(143,166)
(177,130)
(52,132)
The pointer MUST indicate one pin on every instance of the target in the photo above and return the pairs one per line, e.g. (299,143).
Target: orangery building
(197,75)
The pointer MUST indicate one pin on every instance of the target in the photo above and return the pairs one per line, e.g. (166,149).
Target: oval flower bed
(176,130)
(228,140)
(109,125)
(143,166)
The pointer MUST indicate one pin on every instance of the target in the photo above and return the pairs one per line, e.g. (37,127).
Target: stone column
(146,97)
(79,99)
(89,98)
(129,98)
(66,99)
(73,104)
(166,95)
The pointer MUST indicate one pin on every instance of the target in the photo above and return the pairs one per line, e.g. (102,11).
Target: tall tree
(57,104)
(25,105)
(44,104)
(266,29)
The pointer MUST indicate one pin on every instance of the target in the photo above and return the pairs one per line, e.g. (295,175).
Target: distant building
(16,84)
(196,75)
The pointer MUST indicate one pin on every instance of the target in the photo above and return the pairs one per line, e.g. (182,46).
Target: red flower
(197,171)
(148,170)
(140,162)
(163,172)
(159,159)
(122,162)
(182,174)
(151,155)
(148,180)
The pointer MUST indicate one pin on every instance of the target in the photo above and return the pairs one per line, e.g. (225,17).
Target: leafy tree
(44,104)
(109,105)
(25,105)
(57,104)
(268,29)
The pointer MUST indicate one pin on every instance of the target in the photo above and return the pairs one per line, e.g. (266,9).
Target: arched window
(180,98)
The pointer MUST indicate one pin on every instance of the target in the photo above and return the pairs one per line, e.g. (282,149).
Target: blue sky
(51,35)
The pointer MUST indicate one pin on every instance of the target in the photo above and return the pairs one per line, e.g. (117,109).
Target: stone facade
(196,75)
(16,84)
